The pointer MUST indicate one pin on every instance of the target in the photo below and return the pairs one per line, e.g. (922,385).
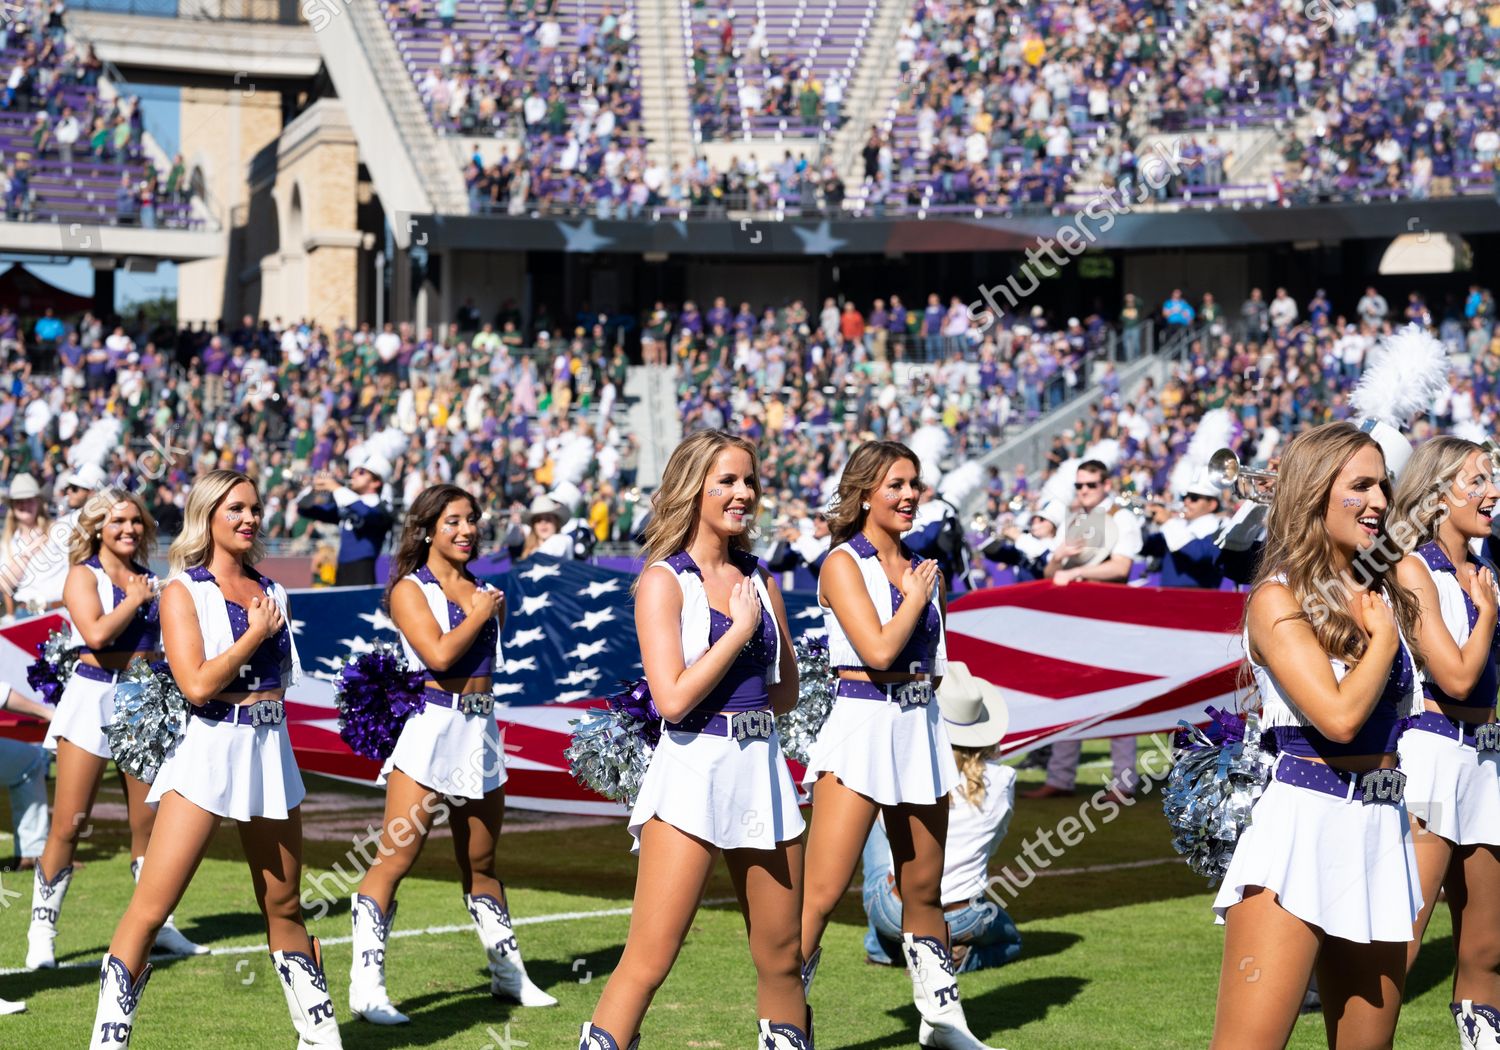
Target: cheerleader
(110,597)
(1324,879)
(450,630)
(884,749)
(224,629)
(717,780)
(1451,753)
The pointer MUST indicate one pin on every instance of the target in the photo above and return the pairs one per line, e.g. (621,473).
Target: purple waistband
(96,674)
(739,725)
(1473,734)
(463,703)
(258,713)
(907,694)
(1378,785)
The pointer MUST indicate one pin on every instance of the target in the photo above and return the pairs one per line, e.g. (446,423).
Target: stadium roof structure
(948,232)
(27,294)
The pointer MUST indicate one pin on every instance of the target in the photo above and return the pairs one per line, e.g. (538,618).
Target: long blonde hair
(195,544)
(862,475)
(971,762)
(85,541)
(43,524)
(1425,487)
(1299,548)
(674,508)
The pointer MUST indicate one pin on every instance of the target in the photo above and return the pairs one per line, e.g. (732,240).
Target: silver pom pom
(1213,784)
(608,754)
(800,726)
(150,715)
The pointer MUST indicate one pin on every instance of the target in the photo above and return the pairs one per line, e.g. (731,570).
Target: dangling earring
(98,535)
(426,539)
(865,505)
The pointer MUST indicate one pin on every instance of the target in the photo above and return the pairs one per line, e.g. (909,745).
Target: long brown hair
(862,475)
(417,529)
(1299,549)
(674,507)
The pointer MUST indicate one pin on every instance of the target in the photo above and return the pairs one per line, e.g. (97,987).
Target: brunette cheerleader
(1324,878)
(448,756)
(111,600)
(884,749)
(1451,753)
(717,780)
(224,629)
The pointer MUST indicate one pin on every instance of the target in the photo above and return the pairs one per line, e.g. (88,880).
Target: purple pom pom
(1224,727)
(376,695)
(635,703)
(49,673)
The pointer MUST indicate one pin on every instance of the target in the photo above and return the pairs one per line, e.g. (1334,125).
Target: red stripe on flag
(1178,608)
(1036,674)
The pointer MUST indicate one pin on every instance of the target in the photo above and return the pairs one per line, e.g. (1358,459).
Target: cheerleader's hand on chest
(485,603)
(744,613)
(917,583)
(265,618)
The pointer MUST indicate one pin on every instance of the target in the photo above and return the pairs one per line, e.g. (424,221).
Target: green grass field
(1119,957)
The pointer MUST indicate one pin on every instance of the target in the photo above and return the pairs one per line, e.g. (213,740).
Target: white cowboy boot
(776,1035)
(169,938)
(367,995)
(934,988)
(307,998)
(810,969)
(46,905)
(118,998)
(591,1038)
(1478,1025)
(508,978)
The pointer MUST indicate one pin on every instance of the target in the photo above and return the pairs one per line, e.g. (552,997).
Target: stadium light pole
(379,290)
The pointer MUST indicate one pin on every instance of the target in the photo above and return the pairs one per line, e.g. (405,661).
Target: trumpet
(1226,471)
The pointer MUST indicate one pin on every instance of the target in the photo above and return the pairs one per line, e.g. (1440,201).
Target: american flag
(1074,662)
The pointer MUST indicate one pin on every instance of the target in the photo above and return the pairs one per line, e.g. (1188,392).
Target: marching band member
(1324,877)
(110,596)
(1451,754)
(1185,543)
(1028,551)
(717,684)
(884,749)
(224,630)
(450,626)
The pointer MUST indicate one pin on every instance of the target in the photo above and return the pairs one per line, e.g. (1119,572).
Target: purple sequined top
(1483,694)
(263,670)
(143,633)
(743,687)
(479,660)
(919,653)
(1377,736)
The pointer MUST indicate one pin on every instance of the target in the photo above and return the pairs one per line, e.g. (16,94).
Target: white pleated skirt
(84,708)
(1345,867)
(885,753)
(1452,788)
(733,794)
(235,771)
(459,755)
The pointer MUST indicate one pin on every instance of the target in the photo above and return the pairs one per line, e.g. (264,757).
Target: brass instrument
(1226,471)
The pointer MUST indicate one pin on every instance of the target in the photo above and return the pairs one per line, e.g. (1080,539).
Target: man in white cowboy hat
(1185,543)
(983,935)
(363,517)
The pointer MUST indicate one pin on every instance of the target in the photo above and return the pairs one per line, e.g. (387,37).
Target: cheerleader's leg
(78,775)
(173,856)
(273,850)
(1361,986)
(169,938)
(1474,898)
(1434,857)
(476,832)
(1269,956)
(841,821)
(768,884)
(674,869)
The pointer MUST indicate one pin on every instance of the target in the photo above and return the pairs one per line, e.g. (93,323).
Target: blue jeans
(23,772)
(984,927)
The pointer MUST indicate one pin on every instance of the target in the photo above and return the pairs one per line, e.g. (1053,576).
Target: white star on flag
(599,588)
(535,603)
(592,620)
(540,571)
(526,664)
(587,651)
(587,674)
(526,637)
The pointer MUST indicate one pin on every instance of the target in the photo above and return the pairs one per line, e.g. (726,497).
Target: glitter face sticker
(1351,501)
(234,517)
(716,492)
(891,497)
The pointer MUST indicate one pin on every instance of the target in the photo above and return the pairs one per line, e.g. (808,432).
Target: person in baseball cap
(982,934)
(363,517)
